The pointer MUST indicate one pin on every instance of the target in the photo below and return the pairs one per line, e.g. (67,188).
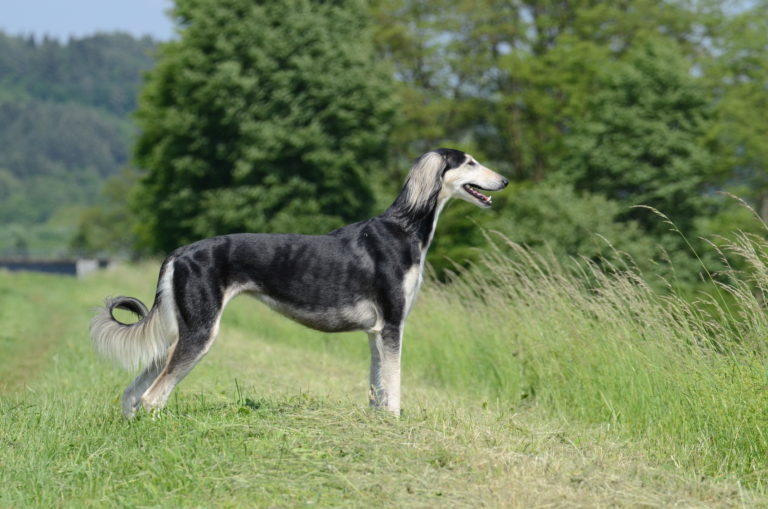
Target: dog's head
(463,177)
(445,173)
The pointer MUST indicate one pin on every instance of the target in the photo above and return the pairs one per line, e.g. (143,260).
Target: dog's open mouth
(475,193)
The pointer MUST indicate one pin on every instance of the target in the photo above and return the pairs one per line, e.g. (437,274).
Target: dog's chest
(411,284)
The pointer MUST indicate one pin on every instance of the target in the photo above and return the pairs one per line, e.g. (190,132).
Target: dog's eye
(472,163)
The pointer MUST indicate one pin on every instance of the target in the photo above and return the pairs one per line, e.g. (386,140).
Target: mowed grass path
(265,422)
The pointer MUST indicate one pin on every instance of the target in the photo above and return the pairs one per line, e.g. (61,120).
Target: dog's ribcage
(349,280)
(331,318)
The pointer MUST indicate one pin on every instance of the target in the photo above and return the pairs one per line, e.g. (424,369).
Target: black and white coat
(364,276)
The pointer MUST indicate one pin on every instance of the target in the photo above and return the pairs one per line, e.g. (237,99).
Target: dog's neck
(419,219)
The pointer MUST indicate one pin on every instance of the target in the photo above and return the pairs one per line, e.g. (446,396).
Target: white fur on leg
(157,395)
(376,392)
(390,375)
(384,390)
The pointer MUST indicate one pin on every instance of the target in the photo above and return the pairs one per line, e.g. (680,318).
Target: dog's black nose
(504,182)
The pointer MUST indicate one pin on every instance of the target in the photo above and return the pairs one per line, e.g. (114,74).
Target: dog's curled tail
(137,344)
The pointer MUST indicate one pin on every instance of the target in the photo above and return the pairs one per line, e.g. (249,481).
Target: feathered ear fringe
(424,180)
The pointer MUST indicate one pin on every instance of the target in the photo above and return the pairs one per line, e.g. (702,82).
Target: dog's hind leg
(190,348)
(132,395)
(385,368)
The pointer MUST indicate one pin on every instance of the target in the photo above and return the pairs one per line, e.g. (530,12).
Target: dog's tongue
(477,194)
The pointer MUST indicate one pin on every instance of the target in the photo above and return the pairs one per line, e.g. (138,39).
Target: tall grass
(687,377)
(596,344)
(683,381)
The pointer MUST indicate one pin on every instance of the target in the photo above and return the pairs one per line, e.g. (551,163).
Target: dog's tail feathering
(138,344)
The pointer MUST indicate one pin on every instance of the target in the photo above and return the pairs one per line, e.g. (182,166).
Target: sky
(62,19)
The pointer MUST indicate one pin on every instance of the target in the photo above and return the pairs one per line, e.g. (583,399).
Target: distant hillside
(64,128)
(102,70)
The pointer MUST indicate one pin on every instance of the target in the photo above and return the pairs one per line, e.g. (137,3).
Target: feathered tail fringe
(138,344)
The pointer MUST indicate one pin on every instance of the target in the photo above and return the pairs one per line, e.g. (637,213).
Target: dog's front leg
(384,390)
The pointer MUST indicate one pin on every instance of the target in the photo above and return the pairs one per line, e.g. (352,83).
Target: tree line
(266,116)
(293,115)
(594,107)
(64,129)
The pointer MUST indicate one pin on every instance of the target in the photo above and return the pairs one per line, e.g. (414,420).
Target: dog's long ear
(453,158)
(425,179)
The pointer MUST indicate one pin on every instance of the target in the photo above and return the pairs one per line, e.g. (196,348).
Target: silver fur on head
(144,342)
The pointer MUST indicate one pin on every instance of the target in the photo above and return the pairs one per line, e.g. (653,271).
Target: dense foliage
(263,116)
(63,131)
(637,102)
(276,116)
(102,71)
(299,115)
(641,138)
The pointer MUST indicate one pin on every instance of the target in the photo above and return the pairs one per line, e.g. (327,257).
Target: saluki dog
(364,276)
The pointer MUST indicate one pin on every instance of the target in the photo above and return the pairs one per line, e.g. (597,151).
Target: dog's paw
(130,407)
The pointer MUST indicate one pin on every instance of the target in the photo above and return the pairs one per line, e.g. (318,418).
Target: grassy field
(522,388)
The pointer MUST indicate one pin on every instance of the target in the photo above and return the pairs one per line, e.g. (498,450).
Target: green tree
(642,141)
(58,156)
(513,82)
(102,70)
(739,78)
(506,79)
(263,116)
(64,129)
(549,216)
(107,228)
